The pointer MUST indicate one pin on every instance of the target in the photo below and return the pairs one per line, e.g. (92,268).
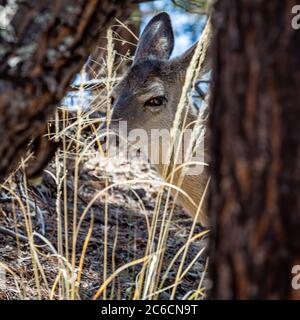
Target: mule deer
(148,95)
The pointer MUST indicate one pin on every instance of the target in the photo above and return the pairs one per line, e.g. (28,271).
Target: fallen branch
(13,234)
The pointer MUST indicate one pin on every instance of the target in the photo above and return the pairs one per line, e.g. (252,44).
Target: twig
(13,234)
(40,220)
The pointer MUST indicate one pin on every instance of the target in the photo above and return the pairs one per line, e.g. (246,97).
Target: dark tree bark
(255,146)
(41,49)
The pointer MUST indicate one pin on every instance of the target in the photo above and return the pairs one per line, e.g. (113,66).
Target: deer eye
(156,101)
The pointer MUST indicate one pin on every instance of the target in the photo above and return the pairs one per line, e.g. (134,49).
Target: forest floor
(126,231)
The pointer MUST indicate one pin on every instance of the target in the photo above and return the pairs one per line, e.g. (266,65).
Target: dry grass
(97,227)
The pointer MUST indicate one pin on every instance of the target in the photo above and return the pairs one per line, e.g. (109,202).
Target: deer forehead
(145,77)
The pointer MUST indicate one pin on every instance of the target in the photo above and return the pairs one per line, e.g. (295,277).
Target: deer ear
(182,62)
(185,59)
(157,40)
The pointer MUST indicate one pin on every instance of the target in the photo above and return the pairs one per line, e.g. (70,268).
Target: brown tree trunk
(255,127)
(41,49)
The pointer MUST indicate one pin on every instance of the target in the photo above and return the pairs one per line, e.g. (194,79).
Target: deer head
(148,95)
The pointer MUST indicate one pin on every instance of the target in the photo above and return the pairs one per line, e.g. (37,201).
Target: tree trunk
(255,150)
(43,44)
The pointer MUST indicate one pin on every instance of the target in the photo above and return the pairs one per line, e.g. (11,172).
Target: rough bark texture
(255,126)
(41,49)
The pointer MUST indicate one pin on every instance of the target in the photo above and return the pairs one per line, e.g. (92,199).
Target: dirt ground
(127,231)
